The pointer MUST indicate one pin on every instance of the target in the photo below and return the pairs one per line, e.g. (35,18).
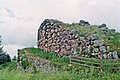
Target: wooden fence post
(70,61)
(101,60)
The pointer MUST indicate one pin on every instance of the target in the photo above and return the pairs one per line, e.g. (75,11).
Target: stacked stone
(52,37)
(48,34)
(99,48)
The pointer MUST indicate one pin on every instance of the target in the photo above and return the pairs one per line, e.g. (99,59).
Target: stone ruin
(52,37)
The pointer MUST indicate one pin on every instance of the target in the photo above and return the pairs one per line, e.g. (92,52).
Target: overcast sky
(20,19)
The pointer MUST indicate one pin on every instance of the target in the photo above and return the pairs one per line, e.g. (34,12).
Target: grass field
(8,71)
(7,74)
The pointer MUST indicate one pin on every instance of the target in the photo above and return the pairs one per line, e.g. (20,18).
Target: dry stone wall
(52,37)
(31,62)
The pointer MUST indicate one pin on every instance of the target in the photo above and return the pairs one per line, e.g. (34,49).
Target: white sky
(20,19)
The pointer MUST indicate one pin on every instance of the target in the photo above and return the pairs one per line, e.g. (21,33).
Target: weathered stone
(63,50)
(81,38)
(108,48)
(68,47)
(56,30)
(113,55)
(98,43)
(102,49)
(52,30)
(54,37)
(84,23)
(92,37)
(86,49)
(113,30)
(103,27)
(73,32)
(38,63)
(95,50)
(57,50)
(76,36)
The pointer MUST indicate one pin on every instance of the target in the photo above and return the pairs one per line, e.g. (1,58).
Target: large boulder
(84,23)
(103,27)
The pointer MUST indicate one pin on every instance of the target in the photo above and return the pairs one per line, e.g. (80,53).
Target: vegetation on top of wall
(110,37)
(49,56)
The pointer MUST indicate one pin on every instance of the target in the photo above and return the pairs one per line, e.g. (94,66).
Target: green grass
(8,71)
(72,74)
(9,65)
(112,38)
(49,56)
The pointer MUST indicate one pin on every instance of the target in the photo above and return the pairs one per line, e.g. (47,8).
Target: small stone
(103,27)
(52,30)
(82,38)
(68,47)
(102,49)
(92,37)
(98,43)
(95,50)
(113,55)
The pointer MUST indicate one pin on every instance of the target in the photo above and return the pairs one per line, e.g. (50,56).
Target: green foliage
(25,63)
(9,65)
(85,53)
(77,50)
(8,71)
(21,51)
(110,37)
(115,42)
(49,56)
(3,56)
(111,64)
(82,74)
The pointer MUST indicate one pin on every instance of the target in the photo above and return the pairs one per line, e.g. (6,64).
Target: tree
(3,56)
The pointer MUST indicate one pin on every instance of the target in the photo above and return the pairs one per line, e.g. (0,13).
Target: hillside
(61,71)
(57,43)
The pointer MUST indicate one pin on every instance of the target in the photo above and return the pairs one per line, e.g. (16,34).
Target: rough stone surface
(93,37)
(84,23)
(52,37)
(35,62)
(98,42)
(102,49)
(103,27)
